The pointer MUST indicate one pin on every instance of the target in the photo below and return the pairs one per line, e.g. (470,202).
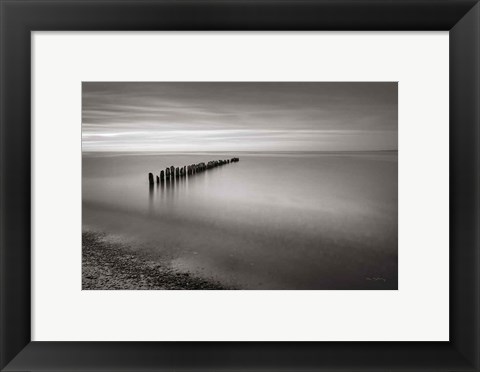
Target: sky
(239,116)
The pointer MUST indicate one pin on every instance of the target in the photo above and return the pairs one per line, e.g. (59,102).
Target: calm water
(270,221)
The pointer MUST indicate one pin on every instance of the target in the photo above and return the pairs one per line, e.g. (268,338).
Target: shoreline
(111,266)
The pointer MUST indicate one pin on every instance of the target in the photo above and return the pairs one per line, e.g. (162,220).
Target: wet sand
(107,265)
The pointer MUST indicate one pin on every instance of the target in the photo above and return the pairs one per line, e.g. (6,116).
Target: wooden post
(189,170)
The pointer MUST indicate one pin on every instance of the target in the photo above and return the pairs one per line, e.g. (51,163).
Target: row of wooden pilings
(180,172)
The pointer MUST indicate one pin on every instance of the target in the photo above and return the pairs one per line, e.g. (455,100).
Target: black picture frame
(18,18)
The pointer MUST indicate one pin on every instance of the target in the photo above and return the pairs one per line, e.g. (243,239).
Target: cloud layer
(239,116)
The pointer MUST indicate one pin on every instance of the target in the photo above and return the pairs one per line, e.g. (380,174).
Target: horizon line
(239,151)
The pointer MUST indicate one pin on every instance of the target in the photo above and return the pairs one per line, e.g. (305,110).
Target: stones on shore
(109,265)
(188,170)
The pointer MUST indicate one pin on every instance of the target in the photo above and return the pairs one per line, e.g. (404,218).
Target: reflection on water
(270,221)
(164,189)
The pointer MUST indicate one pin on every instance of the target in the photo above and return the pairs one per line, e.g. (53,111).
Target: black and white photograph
(239,185)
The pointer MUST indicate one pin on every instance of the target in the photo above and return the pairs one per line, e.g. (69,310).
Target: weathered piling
(189,170)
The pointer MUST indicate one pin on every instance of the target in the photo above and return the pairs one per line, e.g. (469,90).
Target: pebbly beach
(112,266)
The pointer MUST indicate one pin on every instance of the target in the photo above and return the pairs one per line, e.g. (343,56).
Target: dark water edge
(112,266)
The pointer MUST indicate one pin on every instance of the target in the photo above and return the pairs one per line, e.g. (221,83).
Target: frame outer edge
(3,358)
(465,186)
(15,197)
(12,338)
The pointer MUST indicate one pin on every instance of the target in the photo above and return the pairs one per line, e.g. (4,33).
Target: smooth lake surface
(270,221)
